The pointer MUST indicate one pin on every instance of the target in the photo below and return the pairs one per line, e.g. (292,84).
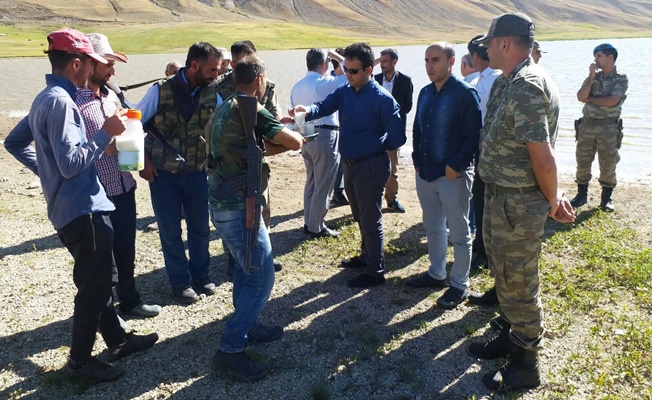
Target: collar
(63,82)
(183,83)
(444,86)
(314,73)
(393,78)
(365,88)
(487,71)
(512,74)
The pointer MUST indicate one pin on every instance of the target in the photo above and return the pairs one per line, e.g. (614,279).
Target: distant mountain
(403,17)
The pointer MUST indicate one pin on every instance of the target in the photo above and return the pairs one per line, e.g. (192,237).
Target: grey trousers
(322,159)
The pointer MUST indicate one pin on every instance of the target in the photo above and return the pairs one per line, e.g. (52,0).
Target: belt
(329,127)
(351,161)
(496,189)
(599,121)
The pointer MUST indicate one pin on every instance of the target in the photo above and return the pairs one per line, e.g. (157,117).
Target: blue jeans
(251,289)
(170,192)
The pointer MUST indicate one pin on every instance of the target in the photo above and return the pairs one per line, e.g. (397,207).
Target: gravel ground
(389,342)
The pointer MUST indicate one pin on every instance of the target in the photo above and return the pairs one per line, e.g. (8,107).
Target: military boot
(605,200)
(498,347)
(582,194)
(521,372)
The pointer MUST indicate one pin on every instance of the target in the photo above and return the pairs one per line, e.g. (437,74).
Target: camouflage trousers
(513,225)
(605,139)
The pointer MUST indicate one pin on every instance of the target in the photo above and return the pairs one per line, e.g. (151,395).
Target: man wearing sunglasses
(370,125)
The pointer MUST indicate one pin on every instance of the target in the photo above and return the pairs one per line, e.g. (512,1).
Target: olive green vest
(186,137)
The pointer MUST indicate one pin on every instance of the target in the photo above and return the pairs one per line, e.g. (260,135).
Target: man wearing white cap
(77,203)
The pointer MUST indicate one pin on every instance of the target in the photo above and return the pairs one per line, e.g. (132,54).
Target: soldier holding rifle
(234,158)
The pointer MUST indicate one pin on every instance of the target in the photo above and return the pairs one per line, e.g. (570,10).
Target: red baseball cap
(73,41)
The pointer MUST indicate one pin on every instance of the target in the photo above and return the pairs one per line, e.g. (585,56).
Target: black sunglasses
(352,71)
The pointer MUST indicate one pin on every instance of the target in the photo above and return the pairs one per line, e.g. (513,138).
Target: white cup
(300,118)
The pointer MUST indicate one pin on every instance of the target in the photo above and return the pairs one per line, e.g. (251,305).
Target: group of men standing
(501,129)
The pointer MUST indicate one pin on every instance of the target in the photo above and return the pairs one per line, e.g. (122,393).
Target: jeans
(251,289)
(89,238)
(447,201)
(169,192)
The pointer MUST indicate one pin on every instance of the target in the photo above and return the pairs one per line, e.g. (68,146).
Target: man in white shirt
(466,69)
(320,154)
(482,84)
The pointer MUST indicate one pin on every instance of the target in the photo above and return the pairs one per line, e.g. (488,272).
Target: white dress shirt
(313,88)
(483,84)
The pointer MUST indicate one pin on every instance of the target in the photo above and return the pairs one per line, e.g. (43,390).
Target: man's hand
(116,124)
(561,209)
(451,173)
(287,120)
(111,149)
(149,172)
(593,69)
(297,109)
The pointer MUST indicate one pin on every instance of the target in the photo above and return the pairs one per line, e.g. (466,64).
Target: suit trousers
(391,189)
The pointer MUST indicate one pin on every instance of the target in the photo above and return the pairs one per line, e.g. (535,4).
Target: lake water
(566,61)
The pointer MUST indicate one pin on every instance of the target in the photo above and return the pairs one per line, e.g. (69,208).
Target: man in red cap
(78,206)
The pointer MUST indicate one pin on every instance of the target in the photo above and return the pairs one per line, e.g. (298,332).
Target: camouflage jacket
(614,84)
(226,88)
(226,128)
(186,137)
(523,108)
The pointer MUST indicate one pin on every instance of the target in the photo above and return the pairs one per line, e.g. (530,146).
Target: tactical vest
(186,137)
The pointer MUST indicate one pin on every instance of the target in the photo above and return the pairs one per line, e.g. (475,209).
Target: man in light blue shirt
(320,155)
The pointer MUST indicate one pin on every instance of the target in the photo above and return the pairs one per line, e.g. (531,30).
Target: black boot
(488,298)
(582,194)
(521,372)
(605,200)
(498,347)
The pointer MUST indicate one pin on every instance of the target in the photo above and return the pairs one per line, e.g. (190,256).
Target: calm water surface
(566,61)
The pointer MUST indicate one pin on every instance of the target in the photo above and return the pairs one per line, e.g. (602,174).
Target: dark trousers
(123,220)
(89,238)
(364,183)
(478,208)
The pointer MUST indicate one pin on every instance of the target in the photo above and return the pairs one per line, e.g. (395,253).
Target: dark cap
(603,47)
(537,46)
(509,24)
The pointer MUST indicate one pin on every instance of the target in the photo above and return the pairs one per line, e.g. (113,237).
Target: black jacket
(402,92)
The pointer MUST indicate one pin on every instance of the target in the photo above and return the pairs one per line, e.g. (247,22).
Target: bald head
(444,47)
(439,59)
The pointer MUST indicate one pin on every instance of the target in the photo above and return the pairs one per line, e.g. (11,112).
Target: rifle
(156,135)
(137,85)
(248,106)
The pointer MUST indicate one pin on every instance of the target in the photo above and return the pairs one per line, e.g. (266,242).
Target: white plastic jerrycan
(131,143)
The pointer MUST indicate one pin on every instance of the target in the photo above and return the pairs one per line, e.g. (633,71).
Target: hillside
(405,18)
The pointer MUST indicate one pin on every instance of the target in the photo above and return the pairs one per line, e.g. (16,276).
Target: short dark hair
(245,47)
(60,59)
(523,41)
(247,69)
(610,52)
(361,51)
(478,49)
(392,53)
(315,58)
(200,52)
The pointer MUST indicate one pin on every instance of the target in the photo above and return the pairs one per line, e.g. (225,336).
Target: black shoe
(488,298)
(326,232)
(339,199)
(479,260)
(238,366)
(277,265)
(521,372)
(500,324)
(205,287)
(396,207)
(452,298)
(497,347)
(95,370)
(133,344)
(365,281)
(264,334)
(353,262)
(186,295)
(305,230)
(425,280)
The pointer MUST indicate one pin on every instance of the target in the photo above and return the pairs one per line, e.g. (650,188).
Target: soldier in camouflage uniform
(518,166)
(180,108)
(251,289)
(600,128)
(226,88)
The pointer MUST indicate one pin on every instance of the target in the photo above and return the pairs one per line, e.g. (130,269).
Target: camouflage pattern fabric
(186,137)
(606,137)
(225,129)
(604,140)
(226,88)
(523,108)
